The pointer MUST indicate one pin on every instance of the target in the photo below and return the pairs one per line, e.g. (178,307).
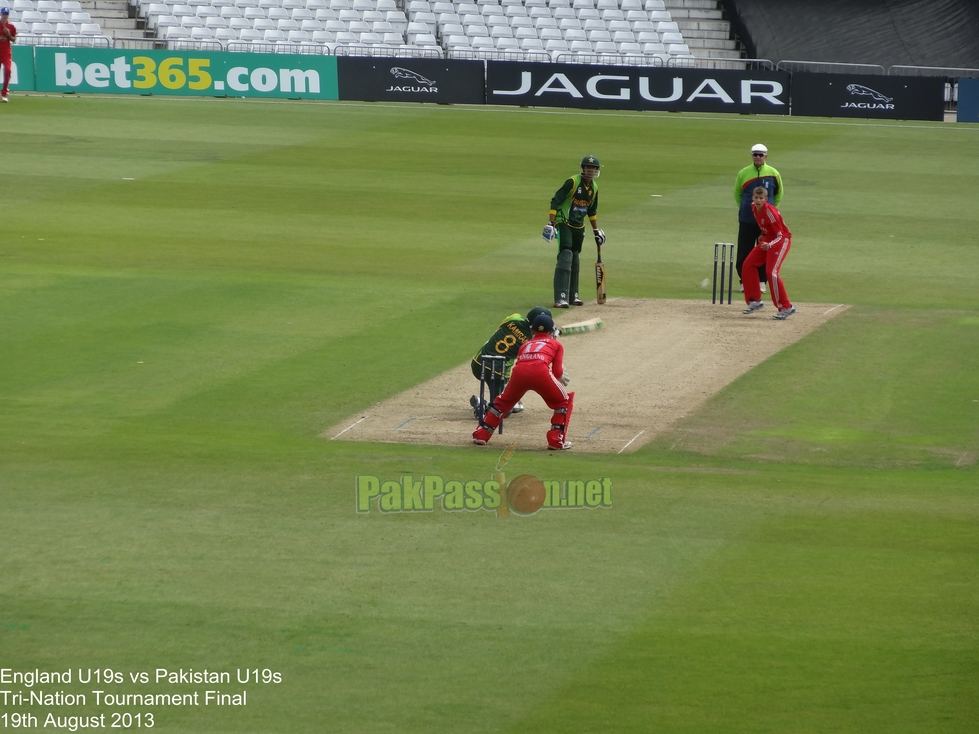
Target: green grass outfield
(192,291)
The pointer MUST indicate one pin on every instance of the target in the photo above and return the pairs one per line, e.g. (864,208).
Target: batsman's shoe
(576,301)
(518,408)
(562,304)
(754,306)
(481,436)
(784,313)
(4,98)
(563,446)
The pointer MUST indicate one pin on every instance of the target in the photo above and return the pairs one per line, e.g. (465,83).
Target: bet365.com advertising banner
(185,73)
(22,69)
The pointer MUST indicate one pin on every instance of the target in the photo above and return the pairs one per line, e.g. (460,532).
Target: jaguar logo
(867,92)
(400,72)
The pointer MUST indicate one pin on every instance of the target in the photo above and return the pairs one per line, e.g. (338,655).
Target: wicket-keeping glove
(550,232)
(599,237)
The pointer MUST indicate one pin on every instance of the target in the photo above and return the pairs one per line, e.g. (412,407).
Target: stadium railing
(829,67)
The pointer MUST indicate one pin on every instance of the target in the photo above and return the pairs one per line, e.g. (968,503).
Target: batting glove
(550,232)
(599,237)
(565,379)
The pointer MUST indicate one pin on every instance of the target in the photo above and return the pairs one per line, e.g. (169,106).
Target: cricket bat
(582,327)
(600,278)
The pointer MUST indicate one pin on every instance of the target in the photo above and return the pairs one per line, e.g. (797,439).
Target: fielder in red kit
(539,367)
(773,245)
(8,33)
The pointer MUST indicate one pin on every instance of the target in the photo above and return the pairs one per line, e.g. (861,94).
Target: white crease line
(833,309)
(633,439)
(348,428)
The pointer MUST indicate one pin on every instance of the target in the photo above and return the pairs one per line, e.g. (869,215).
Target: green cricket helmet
(590,161)
(535,312)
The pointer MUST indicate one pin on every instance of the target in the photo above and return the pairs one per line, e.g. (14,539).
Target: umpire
(759,173)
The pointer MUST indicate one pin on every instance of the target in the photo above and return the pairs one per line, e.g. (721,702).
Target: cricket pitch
(654,361)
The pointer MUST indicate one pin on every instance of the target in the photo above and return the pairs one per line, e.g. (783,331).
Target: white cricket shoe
(4,99)
(563,447)
(518,408)
(764,288)
(784,313)
(754,306)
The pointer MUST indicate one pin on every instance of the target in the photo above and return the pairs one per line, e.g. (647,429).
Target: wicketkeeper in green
(573,202)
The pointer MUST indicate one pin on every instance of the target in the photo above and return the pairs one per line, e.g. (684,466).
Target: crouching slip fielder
(773,245)
(539,367)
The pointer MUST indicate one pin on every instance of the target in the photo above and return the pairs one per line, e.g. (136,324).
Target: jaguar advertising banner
(376,79)
(868,96)
(637,88)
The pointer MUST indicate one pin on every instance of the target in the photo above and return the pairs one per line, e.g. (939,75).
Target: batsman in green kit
(505,342)
(576,200)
